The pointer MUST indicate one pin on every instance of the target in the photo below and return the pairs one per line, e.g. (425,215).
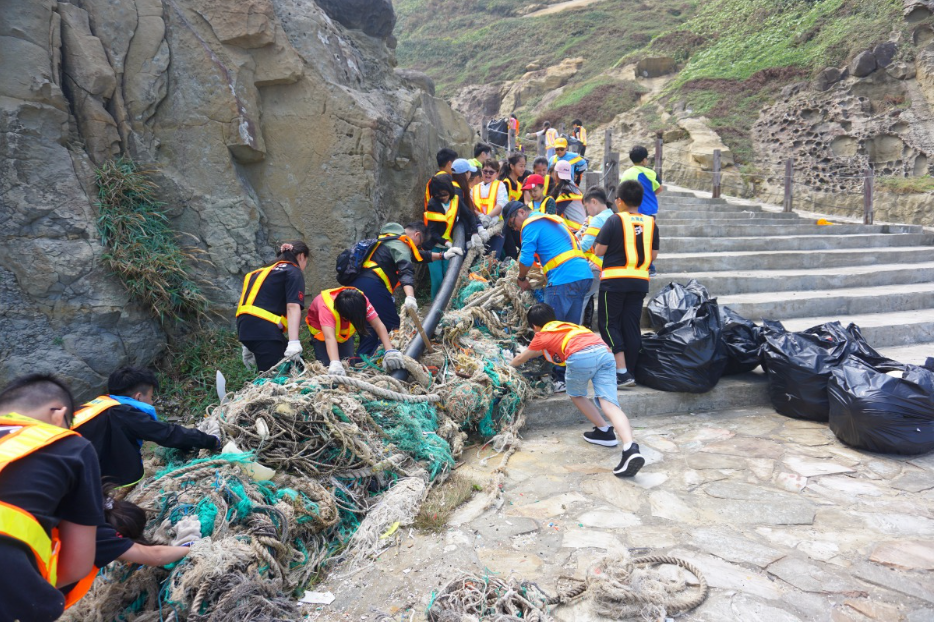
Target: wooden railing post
(591,179)
(716,173)
(541,144)
(789,177)
(484,131)
(611,175)
(659,143)
(867,196)
(511,139)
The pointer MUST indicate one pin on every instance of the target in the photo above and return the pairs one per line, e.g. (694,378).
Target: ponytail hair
(128,519)
(351,305)
(511,161)
(289,251)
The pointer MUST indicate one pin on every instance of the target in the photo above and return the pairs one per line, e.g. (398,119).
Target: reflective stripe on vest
(570,224)
(248,298)
(372,265)
(93,409)
(562,257)
(593,232)
(572,331)
(342,334)
(449,217)
(81,588)
(15,522)
(514,195)
(551,135)
(486,205)
(428,194)
(632,269)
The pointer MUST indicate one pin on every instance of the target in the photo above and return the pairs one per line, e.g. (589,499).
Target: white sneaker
(560,386)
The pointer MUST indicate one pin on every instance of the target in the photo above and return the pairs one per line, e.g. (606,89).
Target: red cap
(533,180)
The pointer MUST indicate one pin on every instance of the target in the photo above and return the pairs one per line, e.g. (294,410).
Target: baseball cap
(563,169)
(510,209)
(463,166)
(561,142)
(533,180)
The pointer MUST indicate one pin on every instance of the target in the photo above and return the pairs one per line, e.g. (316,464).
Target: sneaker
(559,386)
(630,463)
(653,272)
(606,439)
(625,380)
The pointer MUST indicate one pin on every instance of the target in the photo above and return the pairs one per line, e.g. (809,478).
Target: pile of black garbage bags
(825,373)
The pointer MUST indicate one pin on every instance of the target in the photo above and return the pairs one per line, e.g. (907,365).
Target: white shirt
(502,196)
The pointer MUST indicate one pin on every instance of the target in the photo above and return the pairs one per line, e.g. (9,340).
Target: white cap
(563,169)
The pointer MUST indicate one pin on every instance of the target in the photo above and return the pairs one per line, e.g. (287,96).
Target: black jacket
(116,432)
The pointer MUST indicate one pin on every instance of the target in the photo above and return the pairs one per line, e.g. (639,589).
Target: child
(587,359)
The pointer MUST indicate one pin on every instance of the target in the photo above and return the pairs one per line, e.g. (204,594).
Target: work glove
(249,359)
(293,350)
(448,244)
(393,360)
(453,252)
(484,235)
(475,241)
(211,426)
(187,531)
(411,303)
(485,220)
(336,368)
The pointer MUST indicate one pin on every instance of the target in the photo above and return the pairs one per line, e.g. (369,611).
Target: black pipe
(430,323)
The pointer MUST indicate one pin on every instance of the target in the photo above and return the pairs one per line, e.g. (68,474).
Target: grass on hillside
(597,102)
(905,185)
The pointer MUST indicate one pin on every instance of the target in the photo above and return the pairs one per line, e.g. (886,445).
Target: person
(551,135)
(445,158)
(587,359)
(513,174)
(334,317)
(577,162)
(580,133)
(545,238)
(513,125)
(116,424)
(482,153)
(628,243)
(650,182)
(390,264)
(271,304)
(568,197)
(50,499)
(598,211)
(442,214)
(489,197)
(538,202)
(540,167)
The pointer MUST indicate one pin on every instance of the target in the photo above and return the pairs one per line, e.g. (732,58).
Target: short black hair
(576,122)
(595,192)
(547,124)
(351,305)
(127,381)
(539,160)
(37,390)
(540,314)
(630,192)
(128,519)
(638,154)
(482,148)
(418,227)
(445,157)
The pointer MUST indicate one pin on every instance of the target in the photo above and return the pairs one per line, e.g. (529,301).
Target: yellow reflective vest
(633,269)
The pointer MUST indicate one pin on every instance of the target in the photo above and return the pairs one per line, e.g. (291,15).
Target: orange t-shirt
(551,343)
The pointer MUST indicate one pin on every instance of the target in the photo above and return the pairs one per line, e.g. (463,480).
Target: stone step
(896,329)
(789,260)
(675,220)
(665,199)
(915,354)
(782,230)
(742,391)
(688,244)
(706,216)
(725,283)
(833,302)
(711,209)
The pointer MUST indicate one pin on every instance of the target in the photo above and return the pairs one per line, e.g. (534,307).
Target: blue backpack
(350,261)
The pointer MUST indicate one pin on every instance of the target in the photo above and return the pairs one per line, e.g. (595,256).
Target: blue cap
(463,166)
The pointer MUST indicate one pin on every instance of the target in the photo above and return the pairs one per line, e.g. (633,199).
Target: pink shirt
(320,316)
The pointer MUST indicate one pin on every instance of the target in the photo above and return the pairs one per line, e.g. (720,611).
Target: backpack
(350,261)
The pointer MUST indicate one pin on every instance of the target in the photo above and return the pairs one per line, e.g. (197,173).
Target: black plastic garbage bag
(674,301)
(872,410)
(742,340)
(497,132)
(686,356)
(834,331)
(799,366)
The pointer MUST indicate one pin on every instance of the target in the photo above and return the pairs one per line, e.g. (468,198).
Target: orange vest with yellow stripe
(428,194)
(486,205)
(633,269)
(92,409)
(248,296)
(570,330)
(342,333)
(375,267)
(592,231)
(561,258)
(448,218)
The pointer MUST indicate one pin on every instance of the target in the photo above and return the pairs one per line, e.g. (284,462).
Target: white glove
(448,244)
(336,368)
(249,359)
(475,241)
(393,360)
(484,235)
(485,220)
(452,252)
(411,303)
(187,531)
(293,349)
(211,426)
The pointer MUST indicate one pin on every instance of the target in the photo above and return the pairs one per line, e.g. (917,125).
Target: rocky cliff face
(267,120)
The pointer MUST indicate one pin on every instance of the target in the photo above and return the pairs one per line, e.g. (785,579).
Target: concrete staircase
(767,264)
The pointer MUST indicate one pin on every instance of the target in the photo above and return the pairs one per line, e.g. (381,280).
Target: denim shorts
(594,364)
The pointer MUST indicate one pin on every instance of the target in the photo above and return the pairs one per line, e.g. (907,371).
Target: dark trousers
(385,305)
(495,246)
(619,316)
(344,350)
(510,243)
(267,353)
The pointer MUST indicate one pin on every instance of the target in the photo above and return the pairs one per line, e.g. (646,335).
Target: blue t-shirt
(548,239)
(577,168)
(650,184)
(596,222)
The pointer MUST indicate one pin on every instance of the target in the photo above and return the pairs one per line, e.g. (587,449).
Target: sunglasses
(487,171)
(560,149)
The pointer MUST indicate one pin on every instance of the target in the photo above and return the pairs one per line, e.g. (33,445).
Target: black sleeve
(609,232)
(468,217)
(435,227)
(83,503)
(655,238)
(407,271)
(143,427)
(110,545)
(295,287)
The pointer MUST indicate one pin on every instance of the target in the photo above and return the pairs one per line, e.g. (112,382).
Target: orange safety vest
(428,194)
(559,259)
(487,204)
(92,409)
(581,135)
(571,330)
(343,334)
(372,265)
(632,269)
(248,296)
(551,135)
(449,217)
(595,259)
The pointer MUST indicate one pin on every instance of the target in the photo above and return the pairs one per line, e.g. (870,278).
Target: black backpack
(350,261)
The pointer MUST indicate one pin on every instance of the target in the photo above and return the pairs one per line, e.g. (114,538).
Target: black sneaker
(606,439)
(625,379)
(630,463)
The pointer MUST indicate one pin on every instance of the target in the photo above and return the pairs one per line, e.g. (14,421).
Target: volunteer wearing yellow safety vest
(444,211)
(545,239)
(445,158)
(587,360)
(578,132)
(628,243)
(568,198)
(50,499)
(270,307)
(490,197)
(513,174)
(598,211)
(551,138)
(577,162)
(334,317)
(539,203)
(540,167)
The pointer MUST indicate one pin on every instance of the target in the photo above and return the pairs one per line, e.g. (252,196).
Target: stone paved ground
(786,523)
